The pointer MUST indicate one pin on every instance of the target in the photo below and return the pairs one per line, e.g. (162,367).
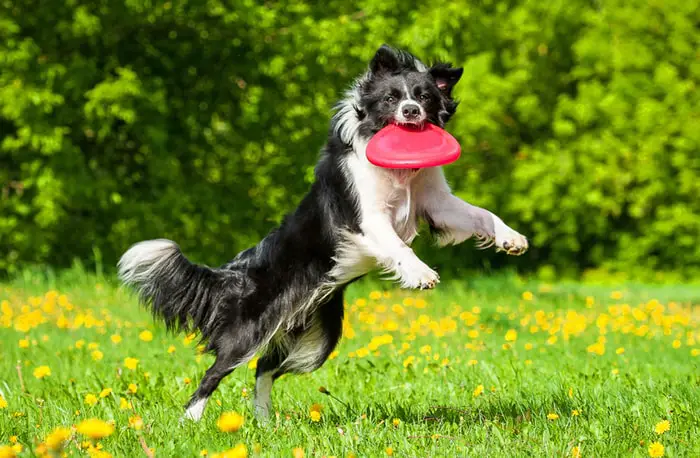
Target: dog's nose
(411,111)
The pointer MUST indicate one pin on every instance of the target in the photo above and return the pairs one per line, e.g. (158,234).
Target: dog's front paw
(509,240)
(417,275)
(512,243)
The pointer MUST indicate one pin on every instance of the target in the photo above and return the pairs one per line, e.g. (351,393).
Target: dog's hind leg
(265,375)
(302,350)
(231,351)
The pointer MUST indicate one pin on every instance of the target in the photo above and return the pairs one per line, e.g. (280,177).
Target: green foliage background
(201,121)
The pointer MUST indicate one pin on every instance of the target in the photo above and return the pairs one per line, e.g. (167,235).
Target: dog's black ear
(446,77)
(384,61)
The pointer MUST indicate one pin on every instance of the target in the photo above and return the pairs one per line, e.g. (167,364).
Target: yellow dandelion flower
(662,426)
(204,452)
(24,343)
(80,344)
(552,416)
(13,439)
(656,450)
(676,344)
(375,295)
(389,451)
(3,402)
(146,336)
(91,399)
(188,338)
(598,348)
(620,351)
(576,452)
(230,422)
(171,349)
(396,422)
(472,362)
(617,295)
(42,371)
(528,296)
(315,416)
(133,388)
(695,352)
(478,391)
(239,451)
(116,338)
(136,422)
(511,335)
(17,448)
(528,346)
(253,363)
(93,346)
(7,452)
(95,428)
(362,352)
(97,355)
(131,363)
(575,413)
(105,392)
(409,361)
(58,438)
(124,404)
(187,380)
(298,452)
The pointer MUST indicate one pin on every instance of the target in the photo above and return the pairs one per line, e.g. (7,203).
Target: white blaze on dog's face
(401,89)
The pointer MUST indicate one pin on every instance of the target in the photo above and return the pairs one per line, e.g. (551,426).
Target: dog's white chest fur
(387,204)
(400,204)
(384,193)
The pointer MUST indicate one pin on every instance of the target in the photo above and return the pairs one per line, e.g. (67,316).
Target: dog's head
(399,88)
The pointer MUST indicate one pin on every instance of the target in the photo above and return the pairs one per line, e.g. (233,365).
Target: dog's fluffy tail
(185,295)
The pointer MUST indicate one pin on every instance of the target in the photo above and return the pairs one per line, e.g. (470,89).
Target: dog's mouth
(417,125)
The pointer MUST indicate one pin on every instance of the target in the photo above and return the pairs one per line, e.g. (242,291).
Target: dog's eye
(424,97)
(389,99)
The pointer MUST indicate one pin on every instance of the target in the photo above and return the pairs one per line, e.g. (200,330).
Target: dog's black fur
(280,297)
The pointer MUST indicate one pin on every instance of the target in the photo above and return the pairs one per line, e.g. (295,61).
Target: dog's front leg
(455,220)
(381,242)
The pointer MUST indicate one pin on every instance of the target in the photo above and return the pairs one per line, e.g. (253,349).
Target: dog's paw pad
(515,245)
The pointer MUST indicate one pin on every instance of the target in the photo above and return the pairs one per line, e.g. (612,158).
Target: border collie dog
(283,298)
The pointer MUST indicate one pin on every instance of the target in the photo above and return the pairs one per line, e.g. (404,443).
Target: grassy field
(484,367)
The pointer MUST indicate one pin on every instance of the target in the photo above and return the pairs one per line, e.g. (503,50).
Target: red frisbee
(408,147)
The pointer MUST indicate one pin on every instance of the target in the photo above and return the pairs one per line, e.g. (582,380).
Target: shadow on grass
(503,411)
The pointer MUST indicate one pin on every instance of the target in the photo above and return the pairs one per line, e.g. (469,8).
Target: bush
(201,122)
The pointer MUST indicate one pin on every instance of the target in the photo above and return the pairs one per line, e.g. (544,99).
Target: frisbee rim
(410,160)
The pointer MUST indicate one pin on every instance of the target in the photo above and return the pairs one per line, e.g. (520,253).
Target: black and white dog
(283,298)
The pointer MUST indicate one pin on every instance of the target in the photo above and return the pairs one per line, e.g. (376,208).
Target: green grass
(619,397)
